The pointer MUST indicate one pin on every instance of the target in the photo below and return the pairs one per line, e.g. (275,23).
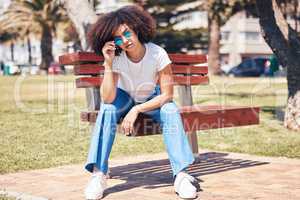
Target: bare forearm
(154,103)
(108,88)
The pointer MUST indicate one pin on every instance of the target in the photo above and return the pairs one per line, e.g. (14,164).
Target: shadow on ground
(277,111)
(157,173)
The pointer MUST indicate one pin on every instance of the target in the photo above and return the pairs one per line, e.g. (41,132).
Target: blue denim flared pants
(168,116)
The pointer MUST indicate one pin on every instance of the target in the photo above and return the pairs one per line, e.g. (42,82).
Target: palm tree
(40,17)
(12,37)
(9,38)
(83,19)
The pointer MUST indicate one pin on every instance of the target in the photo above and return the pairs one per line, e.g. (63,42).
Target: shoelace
(193,180)
(196,184)
(101,178)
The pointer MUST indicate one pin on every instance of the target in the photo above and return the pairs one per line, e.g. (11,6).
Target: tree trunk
(46,48)
(12,51)
(81,20)
(29,50)
(214,46)
(285,43)
(296,14)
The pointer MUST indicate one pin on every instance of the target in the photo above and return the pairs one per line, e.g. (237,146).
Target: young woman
(133,68)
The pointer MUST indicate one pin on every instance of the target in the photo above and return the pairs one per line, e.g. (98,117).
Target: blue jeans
(175,139)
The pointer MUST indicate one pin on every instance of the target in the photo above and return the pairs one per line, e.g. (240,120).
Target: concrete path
(223,176)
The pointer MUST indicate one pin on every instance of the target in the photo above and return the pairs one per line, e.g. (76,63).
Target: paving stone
(223,176)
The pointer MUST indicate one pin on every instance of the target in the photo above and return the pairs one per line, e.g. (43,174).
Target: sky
(4,4)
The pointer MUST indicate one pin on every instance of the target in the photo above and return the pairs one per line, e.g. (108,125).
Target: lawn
(6,198)
(40,126)
(3,197)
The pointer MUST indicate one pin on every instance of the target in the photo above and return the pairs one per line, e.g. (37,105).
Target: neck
(137,54)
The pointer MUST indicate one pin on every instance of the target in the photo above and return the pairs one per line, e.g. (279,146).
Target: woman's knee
(108,107)
(170,118)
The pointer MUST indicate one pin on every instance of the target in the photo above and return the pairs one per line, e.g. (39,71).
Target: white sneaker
(96,186)
(183,186)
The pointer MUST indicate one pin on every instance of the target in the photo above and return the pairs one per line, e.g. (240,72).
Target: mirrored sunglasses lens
(118,41)
(127,34)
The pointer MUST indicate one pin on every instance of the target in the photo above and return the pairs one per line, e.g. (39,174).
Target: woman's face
(126,38)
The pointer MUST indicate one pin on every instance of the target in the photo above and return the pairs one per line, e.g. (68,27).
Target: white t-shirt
(139,79)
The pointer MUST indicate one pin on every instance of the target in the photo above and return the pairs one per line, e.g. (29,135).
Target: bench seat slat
(197,117)
(203,118)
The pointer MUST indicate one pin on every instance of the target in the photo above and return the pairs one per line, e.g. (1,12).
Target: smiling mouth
(129,45)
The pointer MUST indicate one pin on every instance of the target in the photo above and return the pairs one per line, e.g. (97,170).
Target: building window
(252,36)
(225,35)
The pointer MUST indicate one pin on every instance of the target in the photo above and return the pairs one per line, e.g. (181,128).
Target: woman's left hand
(128,121)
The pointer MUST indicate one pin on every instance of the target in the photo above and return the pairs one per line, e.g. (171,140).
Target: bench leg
(192,136)
(186,99)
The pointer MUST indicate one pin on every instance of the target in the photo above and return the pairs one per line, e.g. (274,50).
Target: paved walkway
(223,176)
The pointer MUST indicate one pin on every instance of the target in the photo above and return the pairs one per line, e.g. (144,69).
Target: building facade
(110,5)
(241,38)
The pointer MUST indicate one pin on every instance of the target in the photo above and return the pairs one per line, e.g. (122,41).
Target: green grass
(269,138)
(5,197)
(40,126)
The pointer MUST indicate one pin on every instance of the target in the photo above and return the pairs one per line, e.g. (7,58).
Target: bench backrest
(88,65)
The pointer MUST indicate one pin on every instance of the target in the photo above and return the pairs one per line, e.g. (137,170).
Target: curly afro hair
(134,17)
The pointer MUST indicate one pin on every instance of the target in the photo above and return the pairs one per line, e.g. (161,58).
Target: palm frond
(32,16)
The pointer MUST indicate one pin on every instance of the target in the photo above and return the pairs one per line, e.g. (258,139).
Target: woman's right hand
(108,52)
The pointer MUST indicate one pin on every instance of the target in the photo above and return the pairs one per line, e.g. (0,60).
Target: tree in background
(81,19)
(289,8)
(40,17)
(9,37)
(71,35)
(219,11)
(285,43)
(169,13)
(165,12)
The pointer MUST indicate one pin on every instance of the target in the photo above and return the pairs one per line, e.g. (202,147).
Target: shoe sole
(94,199)
(186,198)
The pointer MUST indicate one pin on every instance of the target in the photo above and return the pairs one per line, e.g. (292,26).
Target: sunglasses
(119,41)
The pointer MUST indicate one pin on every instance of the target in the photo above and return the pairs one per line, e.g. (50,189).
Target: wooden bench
(89,71)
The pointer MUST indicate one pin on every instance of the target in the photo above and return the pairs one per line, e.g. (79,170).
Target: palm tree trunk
(46,48)
(12,51)
(81,20)
(285,43)
(214,46)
